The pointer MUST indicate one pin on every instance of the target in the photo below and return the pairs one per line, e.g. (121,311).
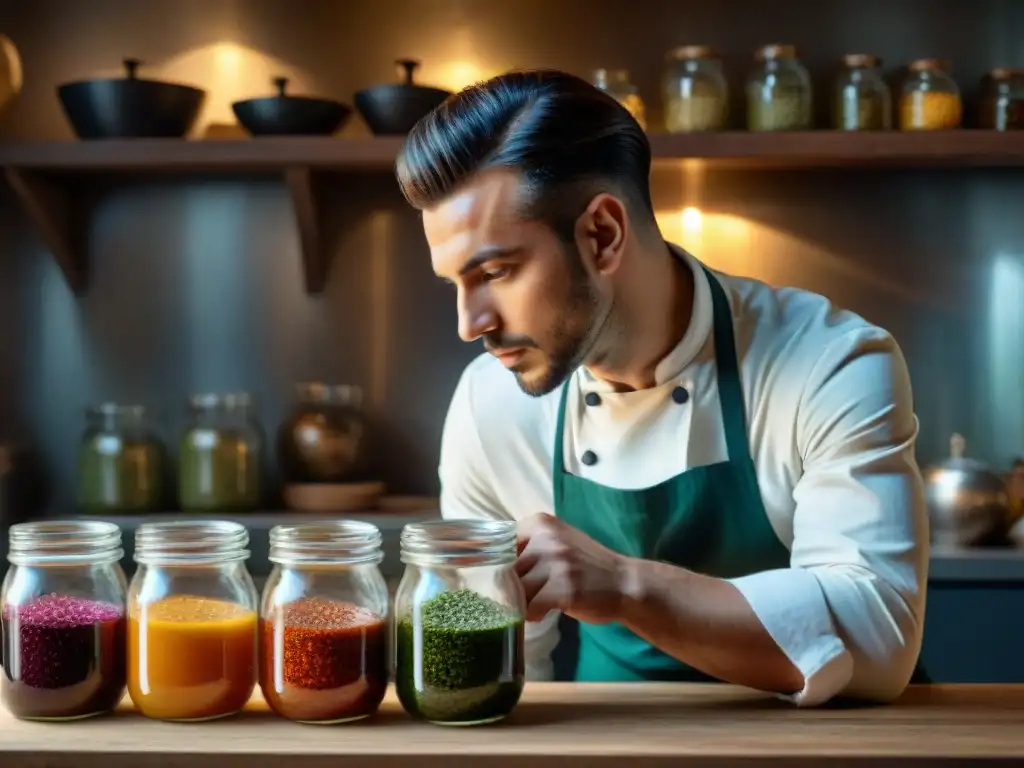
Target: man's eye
(495,274)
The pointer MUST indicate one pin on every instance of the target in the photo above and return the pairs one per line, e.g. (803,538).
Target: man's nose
(476,316)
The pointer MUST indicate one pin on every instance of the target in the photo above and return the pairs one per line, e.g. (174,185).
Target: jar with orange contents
(192,621)
(930,97)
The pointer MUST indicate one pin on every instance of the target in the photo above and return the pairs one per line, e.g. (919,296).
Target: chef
(714,476)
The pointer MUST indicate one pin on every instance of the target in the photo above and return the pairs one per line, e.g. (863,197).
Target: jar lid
(690,52)
(775,51)
(929,65)
(205,401)
(854,60)
(1005,73)
(329,394)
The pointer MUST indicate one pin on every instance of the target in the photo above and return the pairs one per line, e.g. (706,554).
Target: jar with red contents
(62,618)
(324,649)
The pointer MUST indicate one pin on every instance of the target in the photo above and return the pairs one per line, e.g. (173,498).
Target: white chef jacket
(831,431)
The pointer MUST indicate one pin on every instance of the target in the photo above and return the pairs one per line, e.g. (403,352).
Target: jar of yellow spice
(930,98)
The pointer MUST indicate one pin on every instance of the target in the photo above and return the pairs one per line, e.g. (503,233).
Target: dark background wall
(196,285)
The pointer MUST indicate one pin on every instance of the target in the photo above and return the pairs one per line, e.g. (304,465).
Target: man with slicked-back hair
(714,476)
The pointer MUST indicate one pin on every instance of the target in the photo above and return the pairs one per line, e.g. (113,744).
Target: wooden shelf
(41,174)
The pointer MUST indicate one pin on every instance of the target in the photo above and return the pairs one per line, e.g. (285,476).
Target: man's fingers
(550,597)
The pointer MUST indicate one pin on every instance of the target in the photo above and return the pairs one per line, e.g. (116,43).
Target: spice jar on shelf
(192,621)
(1001,107)
(930,98)
(862,99)
(120,461)
(219,460)
(324,438)
(62,620)
(616,83)
(324,650)
(459,614)
(695,90)
(778,91)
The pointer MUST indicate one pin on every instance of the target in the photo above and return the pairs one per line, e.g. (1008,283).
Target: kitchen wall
(196,285)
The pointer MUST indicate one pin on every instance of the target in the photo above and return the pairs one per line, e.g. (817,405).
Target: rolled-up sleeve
(849,612)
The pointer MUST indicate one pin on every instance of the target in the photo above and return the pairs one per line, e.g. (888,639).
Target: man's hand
(565,570)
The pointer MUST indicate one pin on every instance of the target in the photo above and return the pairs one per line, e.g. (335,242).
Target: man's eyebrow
(487,254)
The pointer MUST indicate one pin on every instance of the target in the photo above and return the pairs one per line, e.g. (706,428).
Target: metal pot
(967,501)
(323,441)
(287,115)
(393,110)
(128,107)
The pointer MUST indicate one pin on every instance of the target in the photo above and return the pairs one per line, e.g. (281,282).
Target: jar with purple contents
(62,620)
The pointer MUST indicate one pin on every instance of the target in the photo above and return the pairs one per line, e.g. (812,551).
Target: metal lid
(776,51)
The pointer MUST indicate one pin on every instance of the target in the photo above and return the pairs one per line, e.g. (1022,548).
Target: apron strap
(730,390)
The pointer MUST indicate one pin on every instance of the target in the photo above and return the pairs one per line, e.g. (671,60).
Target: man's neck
(652,312)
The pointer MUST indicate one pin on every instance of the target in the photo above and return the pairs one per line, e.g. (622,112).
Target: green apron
(708,519)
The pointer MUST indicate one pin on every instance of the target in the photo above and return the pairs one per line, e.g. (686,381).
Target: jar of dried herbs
(930,98)
(1002,100)
(862,100)
(695,90)
(120,461)
(459,612)
(616,83)
(778,91)
(220,456)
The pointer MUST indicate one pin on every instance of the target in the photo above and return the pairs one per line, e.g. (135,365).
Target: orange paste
(191,658)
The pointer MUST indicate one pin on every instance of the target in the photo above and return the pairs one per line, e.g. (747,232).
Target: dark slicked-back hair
(567,139)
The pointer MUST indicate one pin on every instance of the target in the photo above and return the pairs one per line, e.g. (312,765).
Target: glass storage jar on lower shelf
(324,650)
(459,615)
(192,619)
(930,98)
(120,461)
(62,619)
(219,460)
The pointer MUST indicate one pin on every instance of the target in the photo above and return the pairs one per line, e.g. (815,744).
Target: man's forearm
(704,622)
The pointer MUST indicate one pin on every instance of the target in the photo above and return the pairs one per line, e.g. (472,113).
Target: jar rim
(460,542)
(776,51)
(190,542)
(330,542)
(929,65)
(209,401)
(861,60)
(691,52)
(322,393)
(64,542)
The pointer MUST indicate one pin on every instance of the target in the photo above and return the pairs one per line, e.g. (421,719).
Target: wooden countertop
(557,725)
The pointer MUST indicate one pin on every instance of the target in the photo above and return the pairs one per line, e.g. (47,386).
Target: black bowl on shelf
(393,110)
(287,115)
(129,107)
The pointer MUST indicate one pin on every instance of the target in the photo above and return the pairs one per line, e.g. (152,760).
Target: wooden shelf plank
(804,149)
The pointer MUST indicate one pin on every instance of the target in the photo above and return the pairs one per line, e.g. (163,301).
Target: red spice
(63,657)
(323,660)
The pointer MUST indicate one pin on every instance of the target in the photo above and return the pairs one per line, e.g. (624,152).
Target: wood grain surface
(561,725)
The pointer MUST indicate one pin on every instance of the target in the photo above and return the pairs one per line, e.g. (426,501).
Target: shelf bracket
(54,218)
(301,185)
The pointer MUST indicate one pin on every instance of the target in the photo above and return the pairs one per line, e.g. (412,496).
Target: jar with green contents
(459,618)
(120,461)
(778,91)
(695,90)
(862,99)
(219,460)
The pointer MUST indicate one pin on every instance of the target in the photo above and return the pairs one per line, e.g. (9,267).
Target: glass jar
(192,618)
(459,614)
(778,91)
(219,461)
(120,461)
(696,91)
(324,650)
(62,619)
(616,83)
(323,441)
(1001,107)
(863,101)
(930,98)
